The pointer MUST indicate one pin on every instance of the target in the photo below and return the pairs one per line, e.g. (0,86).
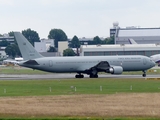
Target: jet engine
(115,70)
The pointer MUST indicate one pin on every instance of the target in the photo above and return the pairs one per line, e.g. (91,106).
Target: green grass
(83,86)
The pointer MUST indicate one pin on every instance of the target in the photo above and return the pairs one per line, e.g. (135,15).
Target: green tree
(68,52)
(97,40)
(11,33)
(12,50)
(108,41)
(57,35)
(52,49)
(31,35)
(75,43)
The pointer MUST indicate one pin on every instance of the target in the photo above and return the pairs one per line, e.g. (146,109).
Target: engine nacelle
(116,70)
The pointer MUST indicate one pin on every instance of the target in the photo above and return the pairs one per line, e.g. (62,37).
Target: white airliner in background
(156,58)
(90,65)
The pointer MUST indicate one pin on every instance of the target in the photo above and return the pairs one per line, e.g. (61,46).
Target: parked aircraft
(90,65)
(156,58)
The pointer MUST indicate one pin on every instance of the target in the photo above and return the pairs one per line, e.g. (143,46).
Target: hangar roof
(139,32)
(120,47)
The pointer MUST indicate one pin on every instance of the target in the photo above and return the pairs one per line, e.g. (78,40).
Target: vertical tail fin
(27,50)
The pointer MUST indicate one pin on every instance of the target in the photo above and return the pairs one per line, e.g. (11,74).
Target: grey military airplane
(90,65)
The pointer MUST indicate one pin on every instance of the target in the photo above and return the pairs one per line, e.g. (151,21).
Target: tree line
(57,34)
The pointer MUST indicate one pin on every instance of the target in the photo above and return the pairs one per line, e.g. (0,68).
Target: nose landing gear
(144,73)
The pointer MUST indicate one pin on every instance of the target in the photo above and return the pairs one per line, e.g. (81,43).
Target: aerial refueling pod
(115,70)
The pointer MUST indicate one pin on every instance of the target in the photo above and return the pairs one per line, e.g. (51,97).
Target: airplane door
(144,61)
(50,63)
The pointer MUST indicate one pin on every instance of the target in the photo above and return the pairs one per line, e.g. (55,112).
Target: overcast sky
(84,18)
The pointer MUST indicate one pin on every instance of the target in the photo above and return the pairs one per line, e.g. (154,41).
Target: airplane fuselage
(79,64)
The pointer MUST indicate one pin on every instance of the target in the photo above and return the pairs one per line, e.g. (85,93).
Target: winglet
(27,50)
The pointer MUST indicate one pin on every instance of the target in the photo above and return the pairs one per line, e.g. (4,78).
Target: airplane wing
(102,66)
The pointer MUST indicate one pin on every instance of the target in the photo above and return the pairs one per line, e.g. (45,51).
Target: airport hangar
(121,49)
(139,35)
(148,42)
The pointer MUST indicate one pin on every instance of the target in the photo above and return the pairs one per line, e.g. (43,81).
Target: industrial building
(62,45)
(140,35)
(123,49)
(9,39)
(147,39)
(43,45)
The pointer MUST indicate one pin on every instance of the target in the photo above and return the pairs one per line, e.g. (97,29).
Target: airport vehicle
(90,65)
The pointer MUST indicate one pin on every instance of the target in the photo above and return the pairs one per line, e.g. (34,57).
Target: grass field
(77,86)
(48,99)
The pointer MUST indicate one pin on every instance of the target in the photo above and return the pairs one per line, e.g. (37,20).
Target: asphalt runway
(65,76)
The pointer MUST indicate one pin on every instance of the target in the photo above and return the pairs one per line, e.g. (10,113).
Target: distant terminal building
(7,38)
(140,35)
(121,49)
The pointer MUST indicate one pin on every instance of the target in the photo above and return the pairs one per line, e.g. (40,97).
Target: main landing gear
(144,73)
(93,76)
(82,76)
(79,76)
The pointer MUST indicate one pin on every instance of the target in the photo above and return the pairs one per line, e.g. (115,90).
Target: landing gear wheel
(93,76)
(79,76)
(144,75)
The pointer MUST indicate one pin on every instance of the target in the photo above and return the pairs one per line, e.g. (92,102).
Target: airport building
(44,45)
(147,39)
(120,49)
(139,35)
(7,38)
